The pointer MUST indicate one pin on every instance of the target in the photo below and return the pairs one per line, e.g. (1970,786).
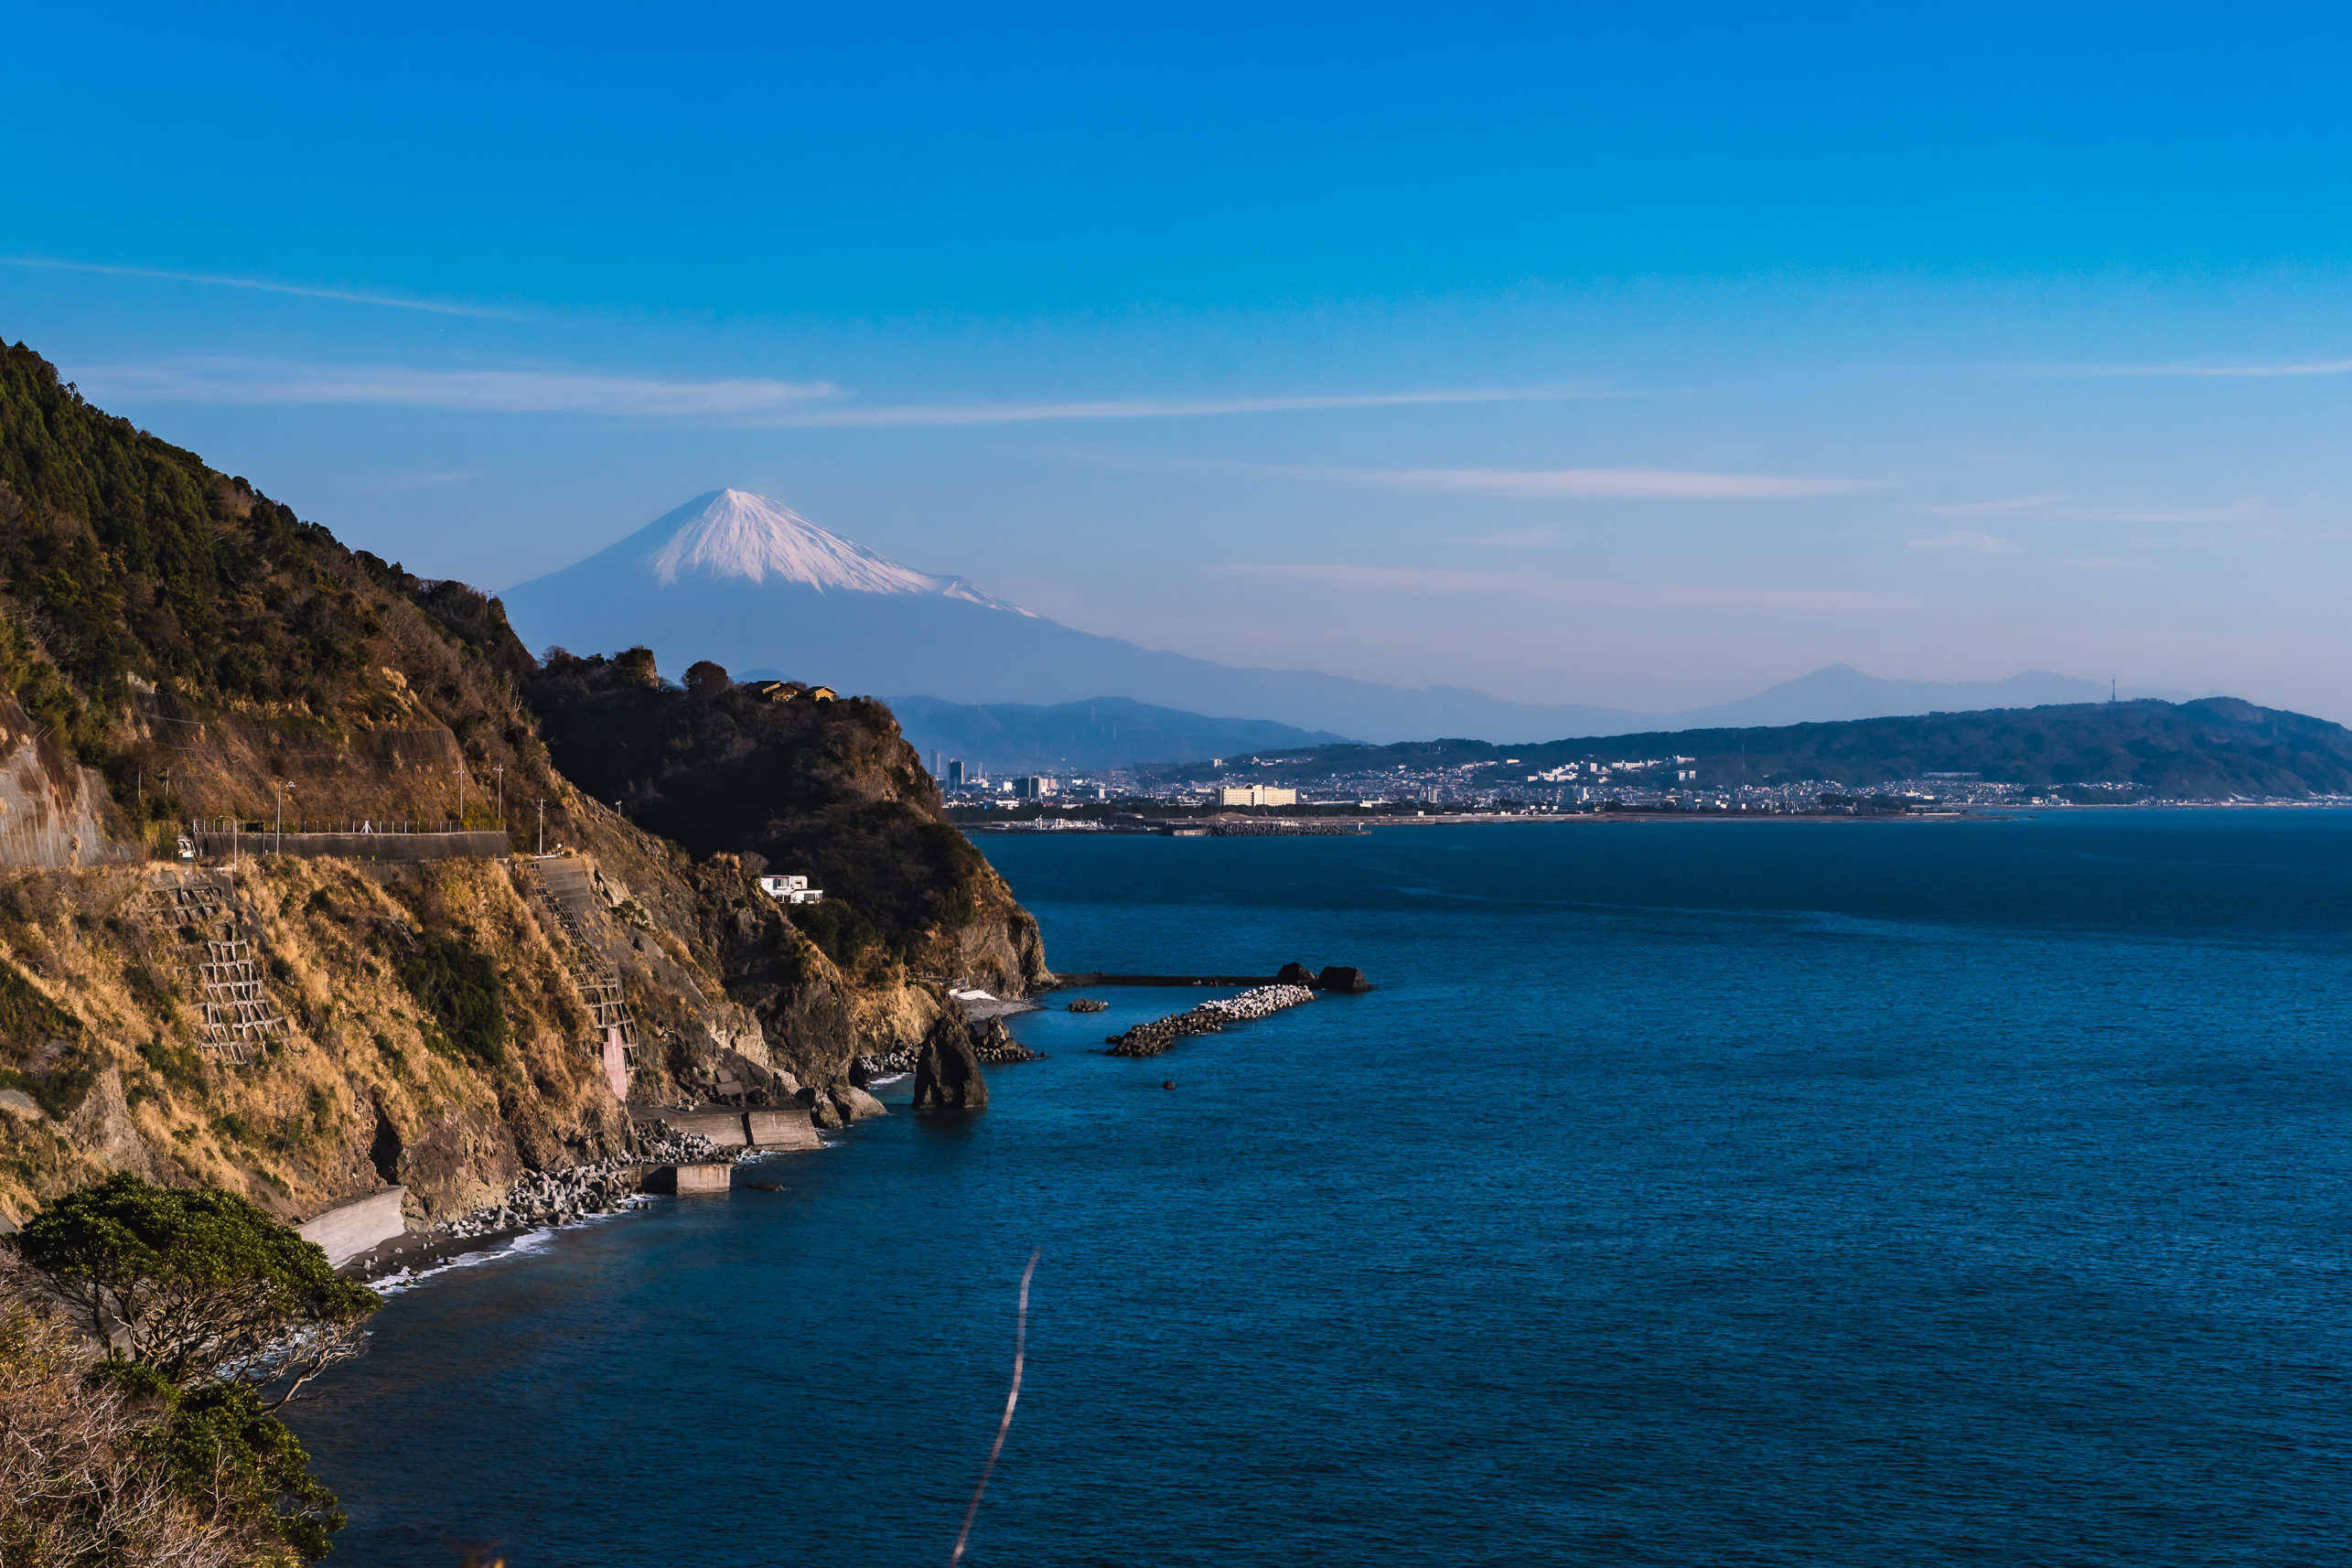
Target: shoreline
(1357,827)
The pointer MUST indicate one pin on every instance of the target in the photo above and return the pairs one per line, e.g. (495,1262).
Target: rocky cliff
(183,660)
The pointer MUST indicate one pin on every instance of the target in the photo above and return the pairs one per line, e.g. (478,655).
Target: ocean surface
(1775,1193)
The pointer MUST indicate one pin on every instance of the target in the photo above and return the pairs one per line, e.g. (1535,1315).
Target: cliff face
(177,648)
(828,789)
(410,1023)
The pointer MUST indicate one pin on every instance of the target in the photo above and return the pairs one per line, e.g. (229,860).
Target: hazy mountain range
(2214,748)
(739,579)
(1095,736)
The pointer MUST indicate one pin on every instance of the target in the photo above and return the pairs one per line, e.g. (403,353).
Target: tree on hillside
(81,1481)
(195,1287)
(203,1315)
(705,680)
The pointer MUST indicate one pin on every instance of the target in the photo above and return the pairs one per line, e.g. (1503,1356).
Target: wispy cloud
(2061,508)
(1577,594)
(2107,563)
(2007,504)
(1508,539)
(472,391)
(2277,369)
(1584,484)
(892,416)
(740,402)
(1973,541)
(263,286)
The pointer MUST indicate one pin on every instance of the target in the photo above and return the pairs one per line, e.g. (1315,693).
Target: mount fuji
(737,578)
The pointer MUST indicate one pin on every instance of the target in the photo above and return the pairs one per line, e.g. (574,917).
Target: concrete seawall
(688,1179)
(786,1129)
(349,1229)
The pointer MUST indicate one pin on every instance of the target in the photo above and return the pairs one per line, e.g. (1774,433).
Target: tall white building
(1256,795)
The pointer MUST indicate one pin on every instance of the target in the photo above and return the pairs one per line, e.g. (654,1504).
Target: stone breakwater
(1209,1018)
(564,1197)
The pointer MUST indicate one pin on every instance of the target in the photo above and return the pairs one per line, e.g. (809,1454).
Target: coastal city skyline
(1571,358)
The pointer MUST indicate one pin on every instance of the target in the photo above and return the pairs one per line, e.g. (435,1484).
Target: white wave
(521,1246)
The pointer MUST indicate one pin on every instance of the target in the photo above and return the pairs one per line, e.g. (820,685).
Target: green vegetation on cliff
(825,788)
(272,649)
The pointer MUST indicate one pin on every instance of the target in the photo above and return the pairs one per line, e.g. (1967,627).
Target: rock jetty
(1088,1005)
(563,1198)
(1209,1018)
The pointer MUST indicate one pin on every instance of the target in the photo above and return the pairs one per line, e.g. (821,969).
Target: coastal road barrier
(399,846)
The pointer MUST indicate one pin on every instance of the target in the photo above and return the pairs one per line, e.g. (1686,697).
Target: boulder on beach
(1342,978)
(860,1105)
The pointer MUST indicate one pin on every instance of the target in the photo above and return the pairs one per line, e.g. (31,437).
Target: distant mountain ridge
(2212,748)
(1087,737)
(1839,691)
(747,582)
(739,579)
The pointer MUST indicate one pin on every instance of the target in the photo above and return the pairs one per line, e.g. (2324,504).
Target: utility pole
(461,794)
(543,824)
(277,789)
(500,771)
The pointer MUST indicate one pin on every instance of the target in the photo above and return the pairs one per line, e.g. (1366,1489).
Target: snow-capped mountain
(737,578)
(735,535)
(744,581)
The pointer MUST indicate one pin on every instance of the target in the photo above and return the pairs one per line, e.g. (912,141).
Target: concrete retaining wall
(688,1180)
(349,1229)
(782,1130)
(788,1129)
(724,1128)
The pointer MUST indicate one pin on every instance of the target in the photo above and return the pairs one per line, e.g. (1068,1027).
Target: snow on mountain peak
(734,534)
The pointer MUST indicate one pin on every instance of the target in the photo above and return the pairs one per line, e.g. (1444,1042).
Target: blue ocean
(1710,1193)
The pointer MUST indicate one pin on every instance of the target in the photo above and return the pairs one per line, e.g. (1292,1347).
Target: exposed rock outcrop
(993,1043)
(947,1070)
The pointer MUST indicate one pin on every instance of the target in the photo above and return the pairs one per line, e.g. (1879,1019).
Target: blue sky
(1625,354)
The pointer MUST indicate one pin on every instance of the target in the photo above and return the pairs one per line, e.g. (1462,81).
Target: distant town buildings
(1033,787)
(1256,795)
